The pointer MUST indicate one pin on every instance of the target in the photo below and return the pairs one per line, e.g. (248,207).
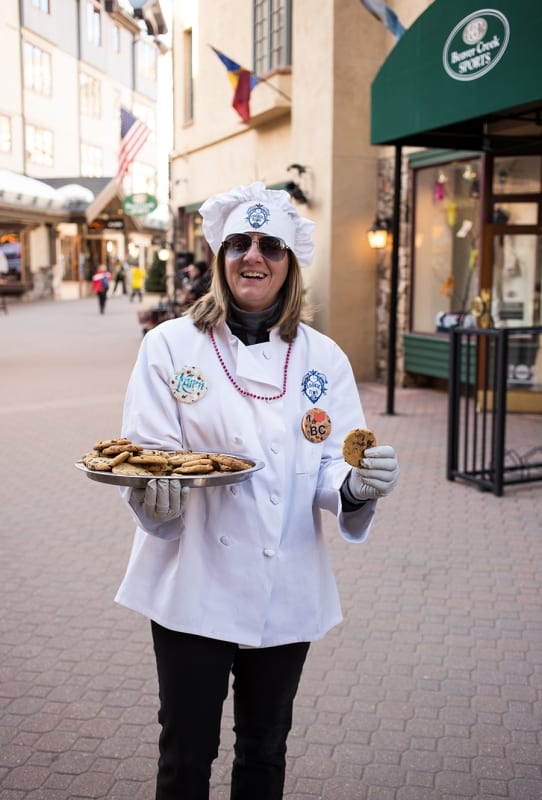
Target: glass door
(517,275)
(516,302)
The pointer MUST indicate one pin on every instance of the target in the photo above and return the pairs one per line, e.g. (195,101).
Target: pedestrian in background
(236,579)
(120,277)
(100,284)
(138,278)
(197,280)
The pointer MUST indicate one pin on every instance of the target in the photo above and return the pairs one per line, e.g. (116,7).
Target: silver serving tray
(197,481)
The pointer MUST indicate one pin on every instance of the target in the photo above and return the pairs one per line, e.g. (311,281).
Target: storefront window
(446,244)
(517,175)
(515,213)
(10,256)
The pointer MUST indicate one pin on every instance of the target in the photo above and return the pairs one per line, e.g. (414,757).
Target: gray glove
(377,474)
(163,499)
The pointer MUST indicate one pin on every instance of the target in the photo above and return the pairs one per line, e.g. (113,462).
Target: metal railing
(481,375)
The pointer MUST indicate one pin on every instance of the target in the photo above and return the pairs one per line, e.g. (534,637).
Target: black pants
(120,282)
(102,299)
(193,678)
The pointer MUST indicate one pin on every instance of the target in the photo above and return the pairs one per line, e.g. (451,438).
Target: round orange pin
(316,425)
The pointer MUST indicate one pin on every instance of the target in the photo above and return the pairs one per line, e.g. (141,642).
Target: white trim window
(94,24)
(39,145)
(37,69)
(272,35)
(90,95)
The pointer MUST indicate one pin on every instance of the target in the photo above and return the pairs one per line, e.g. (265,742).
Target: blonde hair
(211,310)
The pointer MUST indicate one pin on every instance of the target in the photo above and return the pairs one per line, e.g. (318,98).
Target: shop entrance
(465,79)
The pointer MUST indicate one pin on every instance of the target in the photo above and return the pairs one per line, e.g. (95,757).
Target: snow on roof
(74,194)
(16,188)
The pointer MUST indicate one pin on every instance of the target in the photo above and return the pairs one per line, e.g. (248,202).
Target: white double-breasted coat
(248,562)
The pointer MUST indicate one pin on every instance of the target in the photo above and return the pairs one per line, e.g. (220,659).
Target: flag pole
(262,80)
(275,88)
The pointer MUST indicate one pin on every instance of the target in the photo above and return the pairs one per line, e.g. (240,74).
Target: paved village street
(431,689)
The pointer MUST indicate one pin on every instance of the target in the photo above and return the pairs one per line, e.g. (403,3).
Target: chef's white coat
(248,562)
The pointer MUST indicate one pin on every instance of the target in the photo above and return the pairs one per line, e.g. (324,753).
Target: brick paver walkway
(430,690)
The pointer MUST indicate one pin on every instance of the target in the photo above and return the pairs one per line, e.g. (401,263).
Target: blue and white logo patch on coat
(314,385)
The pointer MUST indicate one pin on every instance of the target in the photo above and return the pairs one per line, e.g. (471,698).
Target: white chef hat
(255,208)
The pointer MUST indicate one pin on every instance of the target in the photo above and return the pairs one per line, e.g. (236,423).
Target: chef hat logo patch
(258,215)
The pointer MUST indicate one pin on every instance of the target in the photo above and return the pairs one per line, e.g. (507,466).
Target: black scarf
(252,327)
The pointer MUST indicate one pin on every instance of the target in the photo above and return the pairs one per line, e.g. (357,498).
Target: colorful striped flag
(242,82)
(133,135)
(381,11)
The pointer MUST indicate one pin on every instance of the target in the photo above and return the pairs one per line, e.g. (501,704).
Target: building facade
(68,70)
(311,129)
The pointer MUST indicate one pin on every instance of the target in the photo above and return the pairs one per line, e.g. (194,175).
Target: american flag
(133,135)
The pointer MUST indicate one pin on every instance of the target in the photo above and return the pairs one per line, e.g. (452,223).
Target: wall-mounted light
(163,253)
(294,188)
(378,233)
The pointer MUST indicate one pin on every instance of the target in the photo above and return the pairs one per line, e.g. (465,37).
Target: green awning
(464,76)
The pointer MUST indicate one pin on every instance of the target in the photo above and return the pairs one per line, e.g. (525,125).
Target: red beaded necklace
(240,388)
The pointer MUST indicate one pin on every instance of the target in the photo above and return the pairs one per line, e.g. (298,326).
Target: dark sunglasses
(238,244)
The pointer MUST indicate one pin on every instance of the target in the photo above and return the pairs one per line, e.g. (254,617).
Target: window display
(446,245)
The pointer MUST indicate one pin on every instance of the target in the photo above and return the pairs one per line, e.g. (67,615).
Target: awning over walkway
(465,75)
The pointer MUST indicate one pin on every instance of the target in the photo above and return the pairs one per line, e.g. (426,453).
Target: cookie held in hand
(355,444)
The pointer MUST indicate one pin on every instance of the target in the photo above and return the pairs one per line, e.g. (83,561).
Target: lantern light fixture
(378,233)
(164,251)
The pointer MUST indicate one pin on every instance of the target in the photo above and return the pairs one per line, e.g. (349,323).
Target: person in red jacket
(100,284)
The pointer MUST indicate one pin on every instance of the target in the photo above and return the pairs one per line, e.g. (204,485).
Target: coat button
(268,552)
(275,499)
(274,448)
(225,540)
(266,355)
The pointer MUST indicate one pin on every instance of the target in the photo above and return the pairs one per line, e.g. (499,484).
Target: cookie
(193,469)
(178,459)
(103,443)
(119,458)
(99,464)
(355,444)
(149,459)
(130,469)
(115,449)
(229,463)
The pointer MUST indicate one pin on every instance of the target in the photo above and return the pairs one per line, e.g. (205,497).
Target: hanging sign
(139,205)
(476,45)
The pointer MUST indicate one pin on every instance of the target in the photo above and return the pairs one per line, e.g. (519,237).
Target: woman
(236,579)
(100,284)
